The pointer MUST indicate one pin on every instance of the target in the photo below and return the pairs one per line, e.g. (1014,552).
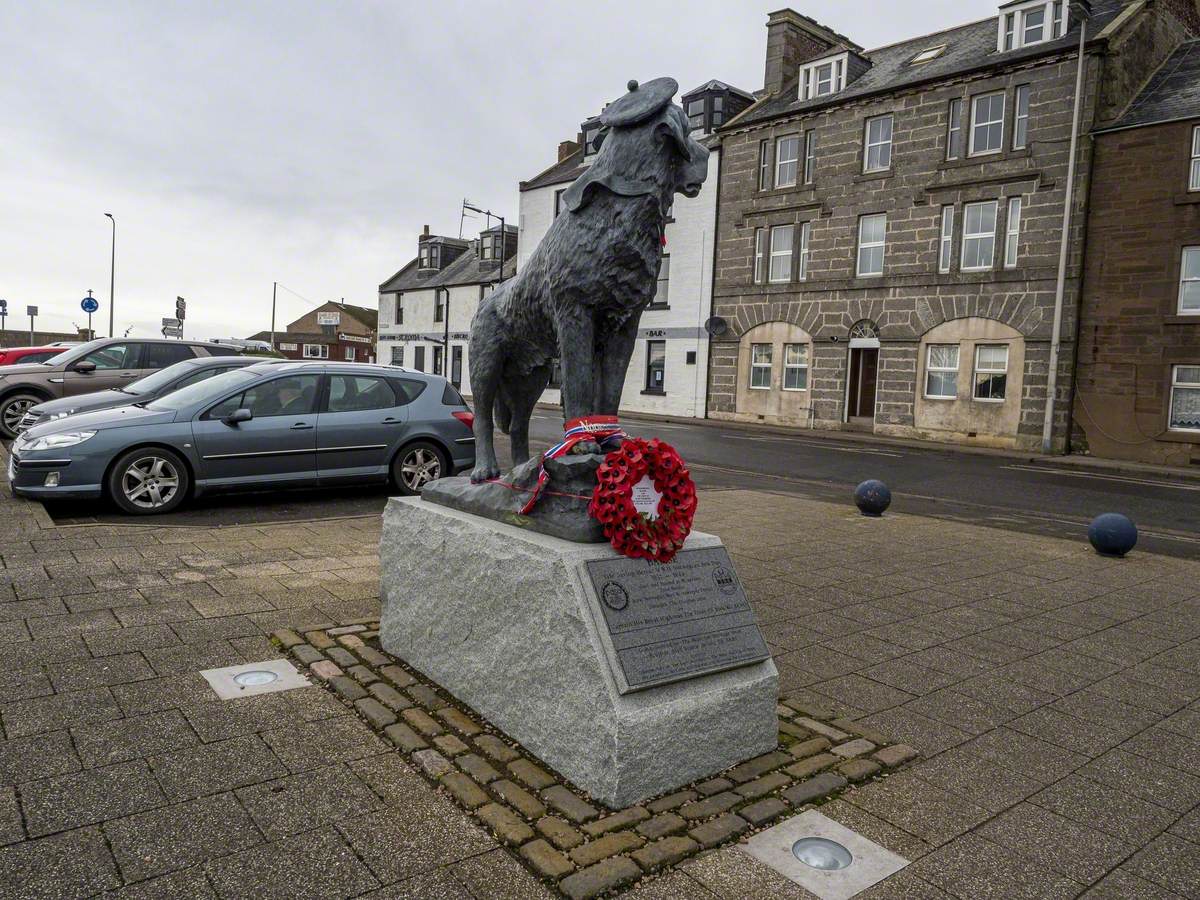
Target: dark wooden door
(864,365)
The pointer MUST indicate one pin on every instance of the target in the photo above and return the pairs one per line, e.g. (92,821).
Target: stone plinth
(507,621)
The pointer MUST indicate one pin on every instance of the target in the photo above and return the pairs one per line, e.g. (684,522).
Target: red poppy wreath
(645,499)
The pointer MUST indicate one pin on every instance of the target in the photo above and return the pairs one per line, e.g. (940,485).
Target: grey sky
(242,143)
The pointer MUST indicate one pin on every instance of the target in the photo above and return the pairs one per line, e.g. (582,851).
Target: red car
(10,356)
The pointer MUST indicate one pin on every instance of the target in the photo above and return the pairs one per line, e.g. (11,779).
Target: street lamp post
(112,276)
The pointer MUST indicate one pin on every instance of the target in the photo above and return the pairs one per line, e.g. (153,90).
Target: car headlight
(61,415)
(55,441)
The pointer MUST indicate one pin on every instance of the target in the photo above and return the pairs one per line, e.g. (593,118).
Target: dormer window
(1031,22)
(823,77)
(593,137)
(709,106)
(430,257)
(695,114)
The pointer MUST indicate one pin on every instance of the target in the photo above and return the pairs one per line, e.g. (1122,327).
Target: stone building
(1138,375)
(425,309)
(334,331)
(668,373)
(890,220)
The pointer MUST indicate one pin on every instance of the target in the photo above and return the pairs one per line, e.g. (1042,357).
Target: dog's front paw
(484,472)
(585,448)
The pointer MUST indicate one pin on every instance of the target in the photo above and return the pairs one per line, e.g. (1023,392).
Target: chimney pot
(566,148)
(789,39)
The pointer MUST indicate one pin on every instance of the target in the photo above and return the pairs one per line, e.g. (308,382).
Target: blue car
(269,425)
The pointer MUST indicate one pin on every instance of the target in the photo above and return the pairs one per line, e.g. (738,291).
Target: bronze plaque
(678,620)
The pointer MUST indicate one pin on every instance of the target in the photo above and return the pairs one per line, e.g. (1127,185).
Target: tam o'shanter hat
(642,102)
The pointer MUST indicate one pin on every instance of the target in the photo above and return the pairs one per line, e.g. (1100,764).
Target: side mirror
(238,415)
(85,365)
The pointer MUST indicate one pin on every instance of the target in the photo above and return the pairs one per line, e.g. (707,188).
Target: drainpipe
(1064,246)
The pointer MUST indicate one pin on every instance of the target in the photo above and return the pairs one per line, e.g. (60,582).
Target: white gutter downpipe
(1064,246)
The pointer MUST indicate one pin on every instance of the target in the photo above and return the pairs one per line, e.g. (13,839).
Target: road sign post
(3,314)
(89,305)
(31,311)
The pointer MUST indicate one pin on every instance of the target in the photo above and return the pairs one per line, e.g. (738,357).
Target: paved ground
(1055,694)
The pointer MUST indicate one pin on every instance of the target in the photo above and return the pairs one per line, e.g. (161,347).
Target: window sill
(993,402)
(948,399)
(1182,319)
(658,306)
(980,158)
(877,175)
(1188,198)
(654,393)
(1180,437)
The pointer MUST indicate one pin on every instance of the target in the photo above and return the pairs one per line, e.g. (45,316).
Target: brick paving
(1053,694)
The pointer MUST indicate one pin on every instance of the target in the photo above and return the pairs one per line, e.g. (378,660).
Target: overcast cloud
(242,143)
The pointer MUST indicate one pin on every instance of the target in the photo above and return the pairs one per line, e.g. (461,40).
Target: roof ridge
(932,34)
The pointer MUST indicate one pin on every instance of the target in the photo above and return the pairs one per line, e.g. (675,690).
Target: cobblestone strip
(570,841)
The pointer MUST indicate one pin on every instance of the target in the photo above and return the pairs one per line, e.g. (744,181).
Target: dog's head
(647,149)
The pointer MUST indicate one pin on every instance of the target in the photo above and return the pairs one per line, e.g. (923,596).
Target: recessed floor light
(823,856)
(249,679)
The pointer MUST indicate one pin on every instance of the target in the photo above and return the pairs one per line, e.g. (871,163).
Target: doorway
(860,400)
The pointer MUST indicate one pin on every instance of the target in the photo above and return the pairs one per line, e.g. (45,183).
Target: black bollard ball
(872,497)
(1112,534)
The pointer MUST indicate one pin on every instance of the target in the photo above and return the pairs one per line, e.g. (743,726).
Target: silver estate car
(143,390)
(269,425)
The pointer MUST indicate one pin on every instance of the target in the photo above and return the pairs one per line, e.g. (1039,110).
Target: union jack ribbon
(601,429)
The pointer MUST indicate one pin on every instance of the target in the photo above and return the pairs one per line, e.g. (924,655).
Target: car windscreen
(209,389)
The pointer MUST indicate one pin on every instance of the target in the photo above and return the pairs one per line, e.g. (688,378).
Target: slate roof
(572,167)
(468,268)
(1173,92)
(364,314)
(968,47)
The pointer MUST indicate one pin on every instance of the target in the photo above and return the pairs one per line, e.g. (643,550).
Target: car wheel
(417,465)
(148,481)
(12,408)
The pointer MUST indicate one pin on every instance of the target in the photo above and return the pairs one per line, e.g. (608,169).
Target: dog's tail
(502,412)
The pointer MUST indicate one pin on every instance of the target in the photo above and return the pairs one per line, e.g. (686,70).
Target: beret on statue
(642,102)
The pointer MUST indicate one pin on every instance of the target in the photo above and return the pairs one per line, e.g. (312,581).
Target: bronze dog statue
(581,294)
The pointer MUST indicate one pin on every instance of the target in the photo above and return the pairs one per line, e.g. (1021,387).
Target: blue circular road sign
(89,304)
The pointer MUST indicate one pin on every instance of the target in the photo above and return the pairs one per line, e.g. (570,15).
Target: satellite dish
(716,326)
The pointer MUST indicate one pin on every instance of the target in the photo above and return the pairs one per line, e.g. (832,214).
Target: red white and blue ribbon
(601,429)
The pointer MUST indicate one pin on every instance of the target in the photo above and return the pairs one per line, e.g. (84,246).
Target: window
(197,377)
(695,114)
(291,396)
(159,356)
(592,140)
(1021,122)
(316,351)
(439,304)
(805,237)
(979,235)
(438,353)
(954,129)
(114,356)
(781,253)
(877,144)
(485,247)
(823,77)
(760,367)
(946,243)
(664,282)
(349,354)
(1185,398)
(991,371)
(354,393)
(929,53)
(795,367)
(718,113)
(397,356)
(787,150)
(419,358)
(810,156)
(1189,281)
(456,365)
(871,234)
(764,165)
(941,372)
(987,124)
(1194,179)
(399,309)
(1031,23)
(1012,232)
(430,256)
(760,255)
(656,366)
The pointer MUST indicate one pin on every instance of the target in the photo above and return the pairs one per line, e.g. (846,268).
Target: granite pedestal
(508,621)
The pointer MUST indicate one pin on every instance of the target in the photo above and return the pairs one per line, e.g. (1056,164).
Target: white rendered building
(668,374)
(425,309)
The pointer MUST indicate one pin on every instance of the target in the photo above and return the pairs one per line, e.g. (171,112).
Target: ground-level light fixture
(255,678)
(250,679)
(822,853)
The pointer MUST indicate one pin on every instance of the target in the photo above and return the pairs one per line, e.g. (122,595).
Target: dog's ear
(599,175)
(674,127)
